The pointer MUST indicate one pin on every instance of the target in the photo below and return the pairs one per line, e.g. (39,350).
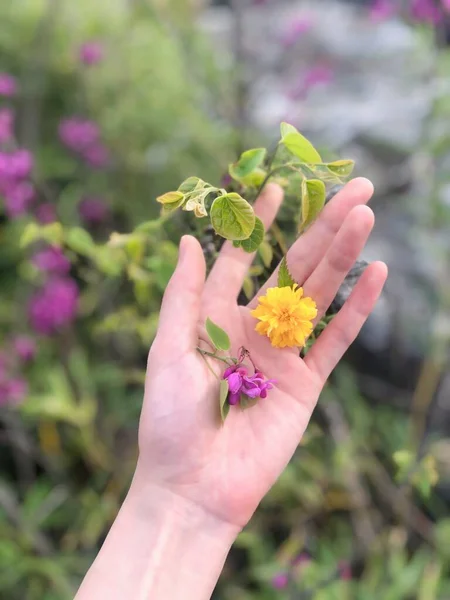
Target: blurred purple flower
(295,30)
(78,134)
(52,260)
(25,347)
(93,210)
(54,306)
(446,5)
(301,559)
(6,125)
(426,11)
(345,570)
(280,581)
(18,198)
(13,391)
(46,213)
(91,53)
(15,165)
(96,156)
(319,74)
(381,10)
(8,85)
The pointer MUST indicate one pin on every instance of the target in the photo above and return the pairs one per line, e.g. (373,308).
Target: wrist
(161,546)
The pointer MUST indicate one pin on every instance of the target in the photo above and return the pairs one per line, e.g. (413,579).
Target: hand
(225,471)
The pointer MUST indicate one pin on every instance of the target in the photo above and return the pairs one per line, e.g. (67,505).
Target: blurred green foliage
(358,500)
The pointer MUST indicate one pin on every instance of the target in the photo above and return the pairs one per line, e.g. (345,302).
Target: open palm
(227,470)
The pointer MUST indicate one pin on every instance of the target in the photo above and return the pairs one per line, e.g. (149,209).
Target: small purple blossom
(25,347)
(18,198)
(15,165)
(280,581)
(13,391)
(8,85)
(96,156)
(345,570)
(381,10)
(78,134)
(91,53)
(46,213)
(240,382)
(446,5)
(301,559)
(52,260)
(6,125)
(320,74)
(426,11)
(54,306)
(295,30)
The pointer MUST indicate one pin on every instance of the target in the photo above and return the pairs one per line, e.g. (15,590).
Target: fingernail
(183,248)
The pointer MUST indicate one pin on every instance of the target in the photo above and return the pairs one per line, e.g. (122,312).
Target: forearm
(160,547)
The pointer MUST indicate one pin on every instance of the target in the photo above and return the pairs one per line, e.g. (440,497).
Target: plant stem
(206,353)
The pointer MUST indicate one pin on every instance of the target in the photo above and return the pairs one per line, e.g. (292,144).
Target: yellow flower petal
(285,316)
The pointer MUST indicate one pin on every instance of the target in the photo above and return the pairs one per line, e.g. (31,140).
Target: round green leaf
(190,184)
(217,335)
(232,217)
(251,244)
(302,148)
(286,128)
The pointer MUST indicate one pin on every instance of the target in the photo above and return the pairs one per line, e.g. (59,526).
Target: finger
(231,267)
(180,310)
(308,250)
(343,329)
(325,281)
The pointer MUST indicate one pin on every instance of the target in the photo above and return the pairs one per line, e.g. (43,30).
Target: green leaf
(255,179)
(247,163)
(341,168)
(217,335)
(232,217)
(313,200)
(286,128)
(266,253)
(190,184)
(248,288)
(284,276)
(252,243)
(52,233)
(171,201)
(80,241)
(224,406)
(302,148)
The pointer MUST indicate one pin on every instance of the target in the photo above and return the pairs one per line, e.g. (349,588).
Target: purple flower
(295,30)
(345,570)
(91,53)
(6,125)
(381,10)
(446,5)
(18,198)
(25,347)
(52,260)
(301,559)
(280,581)
(78,134)
(13,391)
(319,74)
(8,85)
(21,164)
(54,306)
(239,382)
(426,11)
(96,156)
(46,213)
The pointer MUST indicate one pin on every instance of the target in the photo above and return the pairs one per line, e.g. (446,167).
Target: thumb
(180,309)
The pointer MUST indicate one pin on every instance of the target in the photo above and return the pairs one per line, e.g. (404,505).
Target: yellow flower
(285,316)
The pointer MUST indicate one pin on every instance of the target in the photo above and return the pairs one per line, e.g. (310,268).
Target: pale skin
(197,483)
